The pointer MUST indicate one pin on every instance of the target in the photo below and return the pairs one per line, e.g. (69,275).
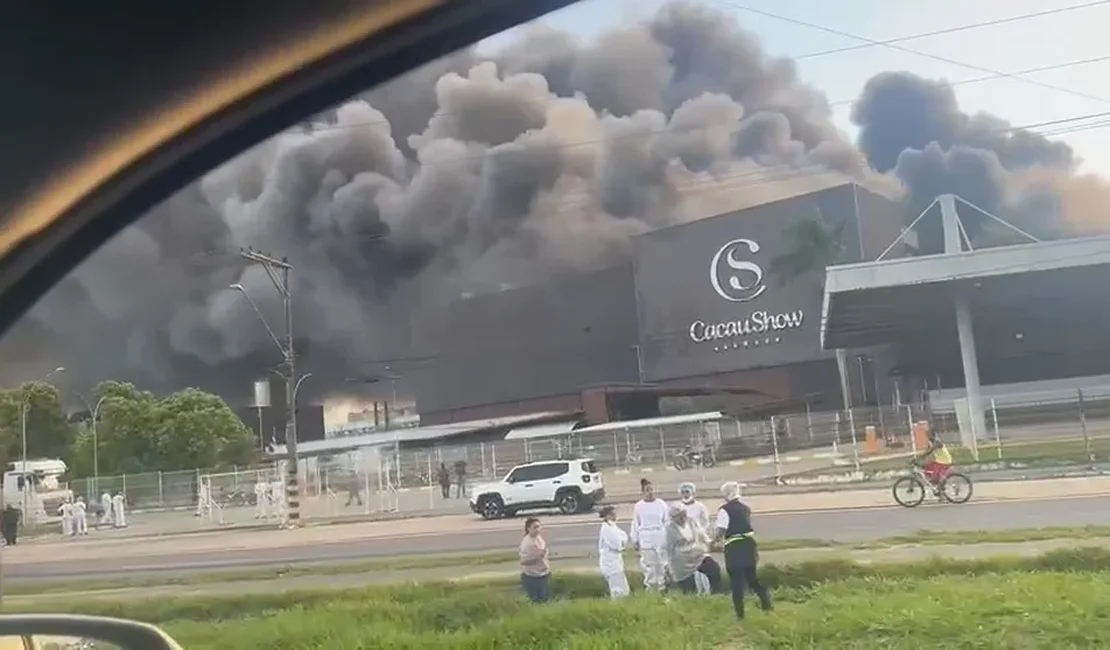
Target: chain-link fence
(1048,428)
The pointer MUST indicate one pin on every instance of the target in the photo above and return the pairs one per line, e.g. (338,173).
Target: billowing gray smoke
(474,173)
(913,128)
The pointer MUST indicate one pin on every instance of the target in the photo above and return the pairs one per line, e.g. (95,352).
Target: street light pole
(96,444)
(24,410)
(279,270)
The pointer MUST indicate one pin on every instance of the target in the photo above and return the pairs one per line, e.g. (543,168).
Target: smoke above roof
(483,171)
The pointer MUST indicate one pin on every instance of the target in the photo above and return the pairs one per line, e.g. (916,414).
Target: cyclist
(937,469)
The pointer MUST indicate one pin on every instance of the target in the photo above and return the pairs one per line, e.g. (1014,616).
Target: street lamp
(24,410)
(297,388)
(96,442)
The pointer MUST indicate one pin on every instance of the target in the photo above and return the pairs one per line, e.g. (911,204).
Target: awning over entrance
(542,430)
(871,303)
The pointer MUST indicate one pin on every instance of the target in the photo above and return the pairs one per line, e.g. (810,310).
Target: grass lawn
(1056,601)
(402,564)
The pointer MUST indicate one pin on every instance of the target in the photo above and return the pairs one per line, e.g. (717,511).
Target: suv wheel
(491,507)
(569,502)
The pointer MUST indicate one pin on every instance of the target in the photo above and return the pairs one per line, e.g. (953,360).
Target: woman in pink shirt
(535,571)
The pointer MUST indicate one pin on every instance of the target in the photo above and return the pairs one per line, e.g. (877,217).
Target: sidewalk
(577,565)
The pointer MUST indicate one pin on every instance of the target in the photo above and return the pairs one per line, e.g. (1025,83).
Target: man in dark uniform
(734,530)
(9,524)
(460,477)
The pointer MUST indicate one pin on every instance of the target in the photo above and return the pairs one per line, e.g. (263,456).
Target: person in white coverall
(610,549)
(261,499)
(105,508)
(698,514)
(277,499)
(66,511)
(119,516)
(81,516)
(648,535)
(204,498)
(695,510)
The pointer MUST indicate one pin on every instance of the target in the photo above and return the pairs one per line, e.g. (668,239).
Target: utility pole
(278,270)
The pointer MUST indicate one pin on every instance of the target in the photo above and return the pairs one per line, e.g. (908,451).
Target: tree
(49,434)
(811,247)
(138,431)
(200,430)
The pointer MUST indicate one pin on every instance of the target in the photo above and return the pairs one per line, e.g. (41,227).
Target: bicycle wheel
(909,492)
(956,488)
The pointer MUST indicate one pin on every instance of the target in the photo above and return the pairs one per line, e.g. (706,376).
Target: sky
(1013,47)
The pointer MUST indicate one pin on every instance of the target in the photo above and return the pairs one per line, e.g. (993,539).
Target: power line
(951,30)
(1016,73)
(900,48)
(869,43)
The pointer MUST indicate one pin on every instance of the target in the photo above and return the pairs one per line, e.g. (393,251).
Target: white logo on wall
(737,279)
(733,278)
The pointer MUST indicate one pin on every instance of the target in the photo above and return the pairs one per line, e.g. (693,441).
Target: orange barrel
(921,434)
(870,440)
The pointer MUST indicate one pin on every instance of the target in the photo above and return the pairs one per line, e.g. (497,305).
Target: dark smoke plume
(914,129)
(479,172)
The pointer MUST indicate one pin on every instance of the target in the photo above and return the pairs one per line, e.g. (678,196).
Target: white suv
(569,485)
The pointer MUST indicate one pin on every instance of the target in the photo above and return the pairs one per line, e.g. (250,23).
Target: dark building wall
(538,348)
(1028,327)
(817,382)
(547,341)
(713,296)
(310,423)
(880,223)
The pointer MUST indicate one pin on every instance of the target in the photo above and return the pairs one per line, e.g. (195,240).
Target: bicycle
(953,488)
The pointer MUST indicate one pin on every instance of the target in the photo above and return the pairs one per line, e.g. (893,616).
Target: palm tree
(811,247)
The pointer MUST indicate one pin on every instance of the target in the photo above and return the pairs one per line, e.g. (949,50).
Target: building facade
(730,303)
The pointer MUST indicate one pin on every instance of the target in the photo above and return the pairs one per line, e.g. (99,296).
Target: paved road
(577,535)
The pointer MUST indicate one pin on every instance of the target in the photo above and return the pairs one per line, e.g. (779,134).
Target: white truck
(45,492)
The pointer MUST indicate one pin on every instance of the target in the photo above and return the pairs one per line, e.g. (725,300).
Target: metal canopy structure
(872,303)
(889,301)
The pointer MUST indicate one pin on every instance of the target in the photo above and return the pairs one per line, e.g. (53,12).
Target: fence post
(836,434)
(662,448)
(855,440)
(997,435)
(909,419)
(364,467)
(775,448)
(123,488)
(1083,424)
(493,458)
(809,422)
(617,450)
(161,492)
(431,492)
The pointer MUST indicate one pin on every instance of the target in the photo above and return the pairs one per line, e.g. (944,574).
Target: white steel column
(953,243)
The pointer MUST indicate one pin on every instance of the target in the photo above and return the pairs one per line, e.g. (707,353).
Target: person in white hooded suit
(611,543)
(698,516)
(648,535)
(695,510)
(66,511)
(80,517)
